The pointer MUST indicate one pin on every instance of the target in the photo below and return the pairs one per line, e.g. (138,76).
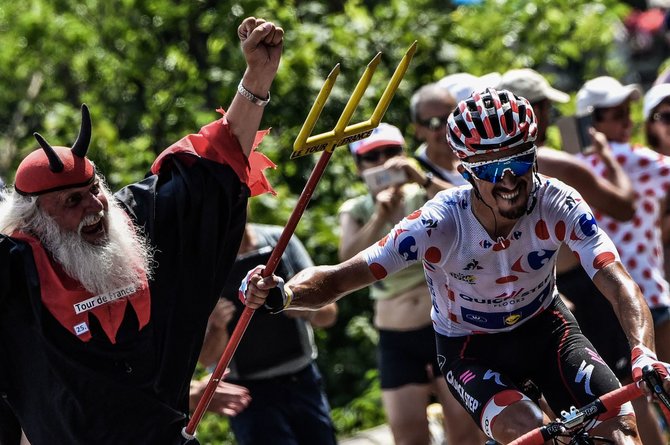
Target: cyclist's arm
(318,286)
(628,303)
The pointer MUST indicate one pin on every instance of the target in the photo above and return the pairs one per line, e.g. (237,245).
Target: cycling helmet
(490,121)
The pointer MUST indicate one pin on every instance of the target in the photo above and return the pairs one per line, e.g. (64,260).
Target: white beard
(123,259)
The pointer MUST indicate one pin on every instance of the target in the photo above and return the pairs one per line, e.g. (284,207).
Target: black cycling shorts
(549,349)
(404,357)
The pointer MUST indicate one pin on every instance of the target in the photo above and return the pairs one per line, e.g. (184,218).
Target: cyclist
(488,252)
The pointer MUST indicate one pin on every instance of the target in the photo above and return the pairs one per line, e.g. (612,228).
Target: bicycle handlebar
(607,402)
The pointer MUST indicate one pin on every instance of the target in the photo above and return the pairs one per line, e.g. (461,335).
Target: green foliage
(154,70)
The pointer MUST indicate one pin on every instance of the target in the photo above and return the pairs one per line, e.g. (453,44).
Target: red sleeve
(217,143)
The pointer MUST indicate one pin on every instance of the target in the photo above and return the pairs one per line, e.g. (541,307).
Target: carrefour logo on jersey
(407,249)
(588,225)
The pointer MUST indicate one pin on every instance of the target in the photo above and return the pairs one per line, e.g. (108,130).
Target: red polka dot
(603,260)
(632,263)
(507,279)
(414,215)
(378,271)
(641,248)
(433,255)
(621,159)
(654,300)
(612,227)
(643,162)
(664,171)
(648,207)
(627,237)
(648,234)
(506,398)
(645,177)
(637,222)
(560,230)
(649,192)
(646,273)
(541,230)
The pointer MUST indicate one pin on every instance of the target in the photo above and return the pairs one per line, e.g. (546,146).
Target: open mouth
(510,195)
(95,227)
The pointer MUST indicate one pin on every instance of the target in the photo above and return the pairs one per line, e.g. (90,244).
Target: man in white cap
(638,240)
(462,85)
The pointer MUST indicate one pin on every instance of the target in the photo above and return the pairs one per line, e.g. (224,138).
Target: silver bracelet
(251,97)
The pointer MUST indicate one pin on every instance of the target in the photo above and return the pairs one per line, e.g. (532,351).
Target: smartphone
(380,178)
(575,133)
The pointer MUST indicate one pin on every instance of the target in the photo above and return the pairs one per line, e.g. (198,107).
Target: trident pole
(341,134)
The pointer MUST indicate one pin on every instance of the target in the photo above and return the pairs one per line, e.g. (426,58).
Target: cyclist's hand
(270,292)
(642,356)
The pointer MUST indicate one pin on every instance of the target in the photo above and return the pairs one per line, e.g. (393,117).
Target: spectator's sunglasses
(493,171)
(434,123)
(374,155)
(663,117)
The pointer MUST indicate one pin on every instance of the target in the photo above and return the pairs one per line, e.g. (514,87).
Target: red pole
(189,431)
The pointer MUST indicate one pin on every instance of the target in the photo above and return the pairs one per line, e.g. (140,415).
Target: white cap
(462,85)
(532,85)
(655,96)
(604,92)
(382,136)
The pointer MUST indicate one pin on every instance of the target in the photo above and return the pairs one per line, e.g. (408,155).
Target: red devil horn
(55,164)
(80,146)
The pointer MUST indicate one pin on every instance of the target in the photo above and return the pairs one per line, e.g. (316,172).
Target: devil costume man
(82,369)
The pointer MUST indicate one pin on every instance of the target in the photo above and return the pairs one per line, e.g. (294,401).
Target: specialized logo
(584,373)
(489,374)
(103,299)
(470,279)
(470,402)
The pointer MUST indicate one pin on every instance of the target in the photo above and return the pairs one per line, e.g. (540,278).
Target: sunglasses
(375,155)
(663,118)
(493,171)
(434,123)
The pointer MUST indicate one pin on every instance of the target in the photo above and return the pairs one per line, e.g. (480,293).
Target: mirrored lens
(494,171)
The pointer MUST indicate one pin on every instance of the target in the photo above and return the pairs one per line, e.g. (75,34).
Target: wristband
(251,97)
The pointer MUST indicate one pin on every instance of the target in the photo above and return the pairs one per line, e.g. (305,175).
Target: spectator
(430,106)
(275,359)
(639,240)
(104,299)
(408,368)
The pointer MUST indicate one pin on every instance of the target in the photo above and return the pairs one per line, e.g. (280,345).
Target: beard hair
(513,213)
(125,258)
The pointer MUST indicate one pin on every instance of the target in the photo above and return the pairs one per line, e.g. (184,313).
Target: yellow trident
(343,133)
